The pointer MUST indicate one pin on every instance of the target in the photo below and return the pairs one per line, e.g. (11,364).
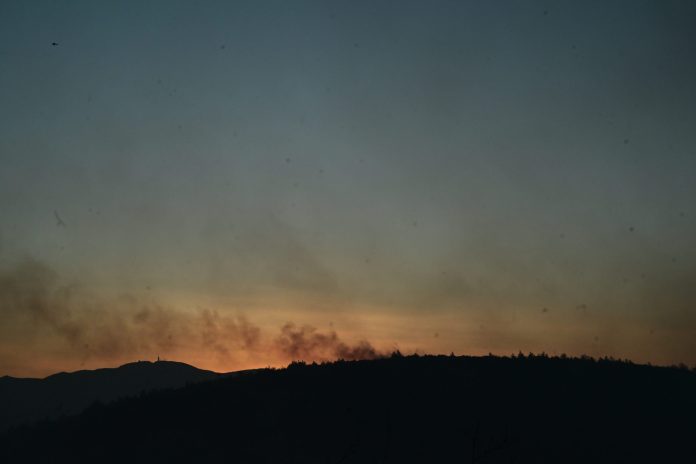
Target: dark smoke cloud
(38,311)
(306,343)
(30,290)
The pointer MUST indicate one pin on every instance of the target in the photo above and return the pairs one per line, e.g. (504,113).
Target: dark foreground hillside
(398,410)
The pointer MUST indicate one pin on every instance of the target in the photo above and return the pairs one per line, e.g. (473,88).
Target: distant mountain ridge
(26,400)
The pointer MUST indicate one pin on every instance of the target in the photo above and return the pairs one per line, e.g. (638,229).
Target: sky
(240,184)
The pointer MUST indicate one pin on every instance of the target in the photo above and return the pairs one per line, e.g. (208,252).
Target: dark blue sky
(441,175)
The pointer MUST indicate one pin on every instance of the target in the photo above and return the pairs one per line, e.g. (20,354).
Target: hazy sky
(184,179)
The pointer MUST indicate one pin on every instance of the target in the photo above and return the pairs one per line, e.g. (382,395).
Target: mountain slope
(398,410)
(27,400)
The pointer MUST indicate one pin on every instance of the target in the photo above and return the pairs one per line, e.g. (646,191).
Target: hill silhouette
(404,409)
(26,400)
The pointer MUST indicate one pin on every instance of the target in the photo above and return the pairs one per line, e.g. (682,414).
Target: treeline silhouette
(401,409)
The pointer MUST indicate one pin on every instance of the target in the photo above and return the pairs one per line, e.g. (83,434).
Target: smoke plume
(40,312)
(306,343)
